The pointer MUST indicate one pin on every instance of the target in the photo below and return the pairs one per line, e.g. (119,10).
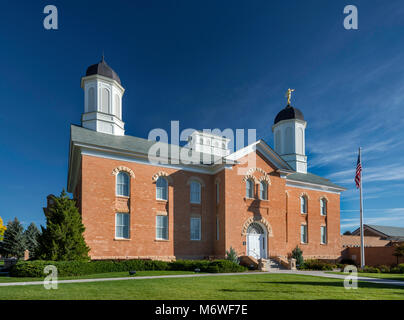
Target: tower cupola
(103,93)
(289,136)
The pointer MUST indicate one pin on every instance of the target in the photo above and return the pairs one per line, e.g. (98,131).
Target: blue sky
(209,64)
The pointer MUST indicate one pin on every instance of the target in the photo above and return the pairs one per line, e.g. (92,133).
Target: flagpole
(361,216)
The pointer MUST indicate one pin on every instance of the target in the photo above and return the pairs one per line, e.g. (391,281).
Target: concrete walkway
(308,273)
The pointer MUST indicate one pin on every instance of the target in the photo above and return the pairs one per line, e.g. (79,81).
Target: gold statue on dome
(289,94)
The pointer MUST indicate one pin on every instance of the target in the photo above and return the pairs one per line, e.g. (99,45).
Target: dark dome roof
(103,69)
(289,113)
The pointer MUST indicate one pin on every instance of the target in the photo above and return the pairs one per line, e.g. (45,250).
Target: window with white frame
(249,188)
(303,233)
(122,184)
(161,188)
(323,207)
(323,234)
(195,228)
(263,190)
(122,226)
(303,204)
(162,227)
(195,192)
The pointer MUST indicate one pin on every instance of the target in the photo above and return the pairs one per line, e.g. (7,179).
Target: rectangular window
(122,226)
(195,192)
(303,233)
(162,227)
(323,234)
(195,228)
(217,228)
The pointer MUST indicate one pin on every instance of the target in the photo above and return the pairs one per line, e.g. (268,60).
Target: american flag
(358,172)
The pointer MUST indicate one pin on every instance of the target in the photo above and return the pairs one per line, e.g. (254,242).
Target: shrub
(317,265)
(347,261)
(369,269)
(76,268)
(401,267)
(395,270)
(384,269)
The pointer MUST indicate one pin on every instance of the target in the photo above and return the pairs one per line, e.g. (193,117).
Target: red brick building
(258,200)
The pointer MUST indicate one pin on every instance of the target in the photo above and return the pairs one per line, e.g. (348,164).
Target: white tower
(289,137)
(102,100)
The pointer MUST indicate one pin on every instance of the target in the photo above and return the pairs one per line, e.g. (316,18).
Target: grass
(390,276)
(4,279)
(248,287)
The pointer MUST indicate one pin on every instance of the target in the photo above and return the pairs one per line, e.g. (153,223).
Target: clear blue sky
(209,64)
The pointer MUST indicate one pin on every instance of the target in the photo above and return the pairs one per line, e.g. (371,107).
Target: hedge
(76,268)
(317,265)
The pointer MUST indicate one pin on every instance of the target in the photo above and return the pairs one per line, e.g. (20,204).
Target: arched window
(323,206)
(105,100)
(91,99)
(263,190)
(249,189)
(117,106)
(195,192)
(122,184)
(161,188)
(303,204)
(255,228)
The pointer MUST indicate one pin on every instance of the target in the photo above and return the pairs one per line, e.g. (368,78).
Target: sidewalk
(308,273)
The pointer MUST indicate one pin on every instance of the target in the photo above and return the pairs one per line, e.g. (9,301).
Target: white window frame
(122,225)
(199,230)
(117,183)
(195,195)
(303,205)
(164,189)
(163,227)
(249,195)
(323,235)
(304,240)
(323,207)
(263,187)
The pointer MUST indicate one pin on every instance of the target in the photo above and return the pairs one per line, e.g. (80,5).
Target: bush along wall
(77,268)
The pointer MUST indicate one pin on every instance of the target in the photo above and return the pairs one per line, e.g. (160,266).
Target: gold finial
(289,94)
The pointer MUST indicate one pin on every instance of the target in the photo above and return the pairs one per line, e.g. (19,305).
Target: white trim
(312,186)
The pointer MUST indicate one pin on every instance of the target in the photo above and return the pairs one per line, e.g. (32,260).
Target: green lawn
(100,275)
(257,286)
(391,276)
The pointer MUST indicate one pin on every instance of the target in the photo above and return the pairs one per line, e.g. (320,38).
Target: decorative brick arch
(304,194)
(265,178)
(162,174)
(250,176)
(125,169)
(261,220)
(323,197)
(193,178)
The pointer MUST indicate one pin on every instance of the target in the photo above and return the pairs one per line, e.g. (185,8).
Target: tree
(2,229)
(31,235)
(13,244)
(348,233)
(297,254)
(231,255)
(399,251)
(62,239)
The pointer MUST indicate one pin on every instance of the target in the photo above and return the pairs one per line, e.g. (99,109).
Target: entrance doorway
(256,241)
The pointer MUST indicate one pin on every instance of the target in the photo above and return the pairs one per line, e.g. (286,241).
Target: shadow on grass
(241,290)
(339,284)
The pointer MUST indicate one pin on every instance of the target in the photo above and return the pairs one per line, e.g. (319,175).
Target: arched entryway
(256,241)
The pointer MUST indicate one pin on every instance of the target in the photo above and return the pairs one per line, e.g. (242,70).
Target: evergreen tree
(297,254)
(31,235)
(62,239)
(13,244)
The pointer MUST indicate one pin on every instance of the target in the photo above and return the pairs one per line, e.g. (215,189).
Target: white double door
(256,245)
